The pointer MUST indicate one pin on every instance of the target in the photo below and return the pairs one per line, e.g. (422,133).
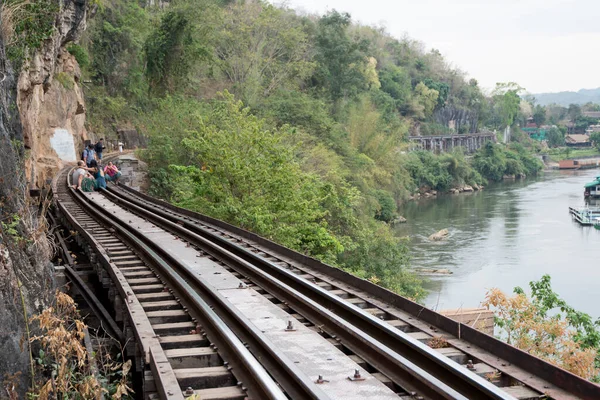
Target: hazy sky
(543,45)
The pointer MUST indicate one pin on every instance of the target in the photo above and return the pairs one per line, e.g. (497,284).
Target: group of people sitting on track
(90,174)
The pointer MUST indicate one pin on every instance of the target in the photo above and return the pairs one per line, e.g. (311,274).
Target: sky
(543,45)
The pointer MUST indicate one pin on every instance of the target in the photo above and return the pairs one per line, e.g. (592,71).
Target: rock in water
(439,235)
(398,220)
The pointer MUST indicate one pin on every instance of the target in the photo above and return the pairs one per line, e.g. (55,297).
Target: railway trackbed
(221,313)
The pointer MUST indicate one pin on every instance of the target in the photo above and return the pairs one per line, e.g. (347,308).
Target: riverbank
(505,236)
(558,154)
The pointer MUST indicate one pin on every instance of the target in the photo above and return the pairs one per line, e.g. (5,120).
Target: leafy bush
(218,159)
(434,129)
(545,326)
(493,161)
(64,368)
(65,80)
(387,206)
(441,172)
(80,54)
(33,23)
(300,110)
(427,169)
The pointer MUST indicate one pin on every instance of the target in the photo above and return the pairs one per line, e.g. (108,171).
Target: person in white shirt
(79,174)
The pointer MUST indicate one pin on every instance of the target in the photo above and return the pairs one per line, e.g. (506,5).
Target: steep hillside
(293,126)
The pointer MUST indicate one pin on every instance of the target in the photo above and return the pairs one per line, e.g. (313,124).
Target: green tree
(261,48)
(219,159)
(340,59)
(428,170)
(595,139)
(230,166)
(555,137)
(589,106)
(539,115)
(115,40)
(574,112)
(555,113)
(396,82)
(507,100)
(425,100)
(490,161)
(387,206)
(493,161)
(174,47)
(442,88)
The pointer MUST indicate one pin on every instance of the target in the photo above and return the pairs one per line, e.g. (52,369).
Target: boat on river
(592,189)
(585,215)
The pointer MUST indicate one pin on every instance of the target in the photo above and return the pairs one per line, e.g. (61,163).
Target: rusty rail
(405,360)
(541,375)
(256,380)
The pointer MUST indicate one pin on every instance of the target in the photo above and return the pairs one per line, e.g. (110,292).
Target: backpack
(84,154)
(98,147)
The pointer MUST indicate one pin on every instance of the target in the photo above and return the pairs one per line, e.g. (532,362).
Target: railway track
(385,341)
(186,346)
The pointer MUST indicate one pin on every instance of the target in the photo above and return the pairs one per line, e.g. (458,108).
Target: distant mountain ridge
(565,98)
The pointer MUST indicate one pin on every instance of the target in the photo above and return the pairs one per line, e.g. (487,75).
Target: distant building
(576,140)
(530,123)
(592,129)
(536,133)
(591,114)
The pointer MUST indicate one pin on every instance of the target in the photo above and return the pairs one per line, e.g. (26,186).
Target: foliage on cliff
(218,158)
(544,325)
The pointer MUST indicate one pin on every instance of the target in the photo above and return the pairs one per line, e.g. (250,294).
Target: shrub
(387,206)
(65,80)
(545,326)
(64,367)
(80,54)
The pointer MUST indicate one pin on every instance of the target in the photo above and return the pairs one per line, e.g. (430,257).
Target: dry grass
(438,342)
(65,369)
(9,13)
(493,376)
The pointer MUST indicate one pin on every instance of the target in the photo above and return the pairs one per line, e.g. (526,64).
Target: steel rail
(107,322)
(512,362)
(200,299)
(405,360)
(259,383)
(153,354)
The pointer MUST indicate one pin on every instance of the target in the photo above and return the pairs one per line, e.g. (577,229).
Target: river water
(505,236)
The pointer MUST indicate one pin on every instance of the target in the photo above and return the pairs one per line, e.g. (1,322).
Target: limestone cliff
(32,106)
(24,251)
(50,99)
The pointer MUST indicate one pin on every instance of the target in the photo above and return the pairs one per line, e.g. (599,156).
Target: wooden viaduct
(444,143)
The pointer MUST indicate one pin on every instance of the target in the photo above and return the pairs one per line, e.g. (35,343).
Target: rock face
(134,172)
(433,271)
(30,111)
(24,250)
(50,99)
(398,220)
(441,235)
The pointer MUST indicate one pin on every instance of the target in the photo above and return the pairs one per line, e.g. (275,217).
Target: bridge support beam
(439,144)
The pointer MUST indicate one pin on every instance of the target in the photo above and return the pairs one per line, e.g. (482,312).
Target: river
(505,236)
